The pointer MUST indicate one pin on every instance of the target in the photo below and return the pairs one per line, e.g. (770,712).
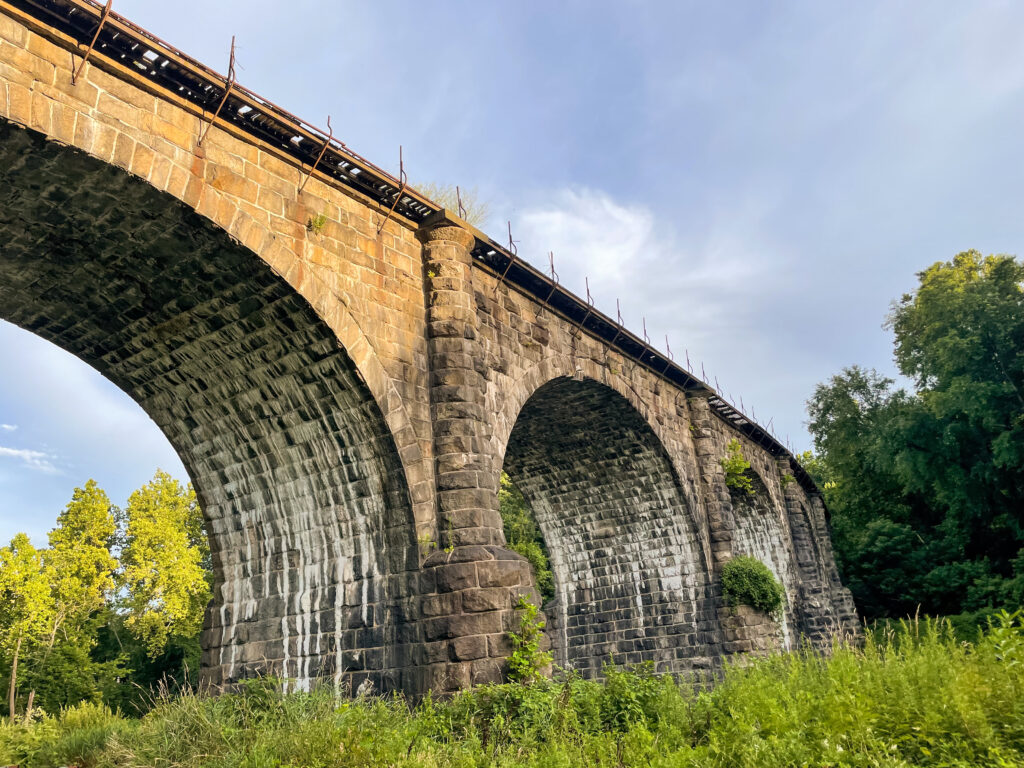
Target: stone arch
(107,117)
(267,397)
(552,367)
(632,581)
(763,531)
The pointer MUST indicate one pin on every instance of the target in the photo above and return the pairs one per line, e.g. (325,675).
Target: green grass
(912,695)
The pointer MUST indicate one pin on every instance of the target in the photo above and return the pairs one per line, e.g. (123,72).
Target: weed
(528,662)
(316,223)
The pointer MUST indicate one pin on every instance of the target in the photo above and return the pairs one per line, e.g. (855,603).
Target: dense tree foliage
(112,607)
(164,563)
(926,486)
(26,610)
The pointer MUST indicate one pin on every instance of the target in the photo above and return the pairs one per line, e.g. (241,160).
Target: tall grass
(912,695)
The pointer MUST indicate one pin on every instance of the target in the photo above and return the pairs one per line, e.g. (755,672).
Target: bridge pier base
(476,580)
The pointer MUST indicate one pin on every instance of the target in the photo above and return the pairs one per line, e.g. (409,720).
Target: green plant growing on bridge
(747,581)
(427,544)
(476,210)
(527,663)
(736,466)
(316,223)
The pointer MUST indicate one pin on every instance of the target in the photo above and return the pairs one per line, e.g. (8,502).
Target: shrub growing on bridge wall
(747,581)
(736,465)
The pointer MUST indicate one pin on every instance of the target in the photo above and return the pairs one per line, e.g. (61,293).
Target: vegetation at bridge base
(527,662)
(915,695)
(926,486)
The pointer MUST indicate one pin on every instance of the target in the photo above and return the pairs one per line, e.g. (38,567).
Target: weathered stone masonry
(346,396)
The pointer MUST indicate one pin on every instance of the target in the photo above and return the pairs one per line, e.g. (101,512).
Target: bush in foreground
(913,696)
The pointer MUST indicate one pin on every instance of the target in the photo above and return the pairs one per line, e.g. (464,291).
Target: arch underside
(786,537)
(762,532)
(303,492)
(631,581)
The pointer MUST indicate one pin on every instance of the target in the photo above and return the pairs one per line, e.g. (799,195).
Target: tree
(79,568)
(926,488)
(164,563)
(960,337)
(79,560)
(26,605)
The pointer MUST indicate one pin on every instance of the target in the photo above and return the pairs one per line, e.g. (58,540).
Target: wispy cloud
(715,287)
(35,460)
(8,427)
(684,286)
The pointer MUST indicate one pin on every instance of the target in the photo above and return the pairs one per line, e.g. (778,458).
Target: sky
(756,180)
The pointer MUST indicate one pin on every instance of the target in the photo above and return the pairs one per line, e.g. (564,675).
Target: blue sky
(759,179)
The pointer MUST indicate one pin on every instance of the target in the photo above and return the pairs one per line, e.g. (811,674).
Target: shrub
(747,581)
(736,466)
(528,661)
(631,696)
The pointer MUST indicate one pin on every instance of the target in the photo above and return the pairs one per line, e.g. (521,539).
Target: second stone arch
(631,582)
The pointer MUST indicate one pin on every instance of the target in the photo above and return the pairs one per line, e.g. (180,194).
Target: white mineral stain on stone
(627,560)
(762,532)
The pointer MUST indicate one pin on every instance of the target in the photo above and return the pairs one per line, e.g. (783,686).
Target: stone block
(493,599)
(475,624)
(502,573)
(455,577)
(469,648)
(499,645)
(484,671)
(441,605)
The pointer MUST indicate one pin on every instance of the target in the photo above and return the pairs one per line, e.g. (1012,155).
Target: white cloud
(689,288)
(36,460)
(715,290)
(8,427)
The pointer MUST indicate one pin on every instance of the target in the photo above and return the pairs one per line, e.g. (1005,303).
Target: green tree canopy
(27,609)
(926,487)
(164,563)
(82,566)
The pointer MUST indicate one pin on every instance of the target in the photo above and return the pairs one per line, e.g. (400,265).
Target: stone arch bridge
(345,369)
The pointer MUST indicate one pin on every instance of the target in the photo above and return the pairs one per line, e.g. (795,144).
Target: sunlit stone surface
(345,395)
